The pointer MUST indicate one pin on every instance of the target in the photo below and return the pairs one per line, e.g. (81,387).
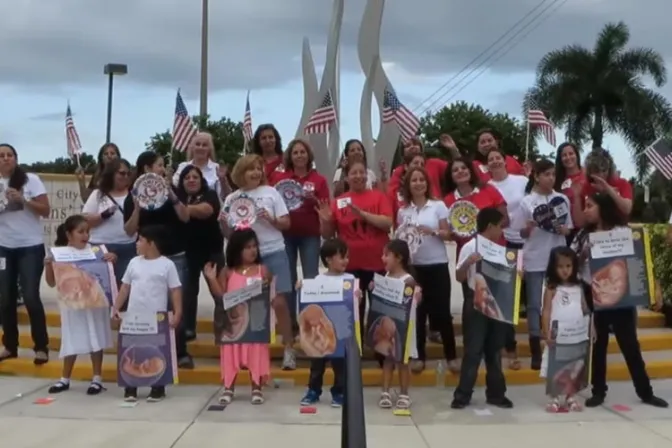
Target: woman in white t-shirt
(430,262)
(271,219)
(104,211)
(354,151)
(512,188)
(547,218)
(22,203)
(201,154)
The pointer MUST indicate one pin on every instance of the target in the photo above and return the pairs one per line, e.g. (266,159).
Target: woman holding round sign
(107,153)
(362,218)
(547,222)
(487,140)
(262,208)
(302,189)
(268,145)
(204,240)
(23,201)
(153,201)
(423,224)
(201,153)
(104,212)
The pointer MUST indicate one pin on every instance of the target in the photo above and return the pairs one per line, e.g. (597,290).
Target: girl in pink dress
(243,266)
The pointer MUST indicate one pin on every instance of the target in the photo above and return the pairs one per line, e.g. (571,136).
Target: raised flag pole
(527,138)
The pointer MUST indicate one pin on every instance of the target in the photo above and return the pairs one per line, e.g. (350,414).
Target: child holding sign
(243,268)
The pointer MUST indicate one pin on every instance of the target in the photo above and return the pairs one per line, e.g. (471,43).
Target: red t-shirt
(365,242)
(512,167)
(621,185)
(486,196)
(304,221)
(566,188)
(272,169)
(435,169)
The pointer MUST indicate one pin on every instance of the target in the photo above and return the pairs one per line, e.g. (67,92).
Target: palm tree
(603,90)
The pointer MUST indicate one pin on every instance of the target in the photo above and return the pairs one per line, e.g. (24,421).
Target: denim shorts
(278,265)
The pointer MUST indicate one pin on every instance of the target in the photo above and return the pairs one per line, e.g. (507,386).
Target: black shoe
(185,362)
(189,335)
(131,394)
(656,402)
(156,394)
(595,401)
(535,352)
(459,403)
(503,402)
(95,388)
(59,387)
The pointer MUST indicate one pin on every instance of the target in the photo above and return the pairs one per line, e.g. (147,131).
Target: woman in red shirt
(268,144)
(362,218)
(302,188)
(570,180)
(435,167)
(465,197)
(488,139)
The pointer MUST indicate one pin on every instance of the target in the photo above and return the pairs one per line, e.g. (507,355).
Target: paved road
(75,420)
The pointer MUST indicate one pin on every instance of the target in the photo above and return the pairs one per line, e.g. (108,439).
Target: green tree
(63,165)
(226,134)
(593,92)
(462,121)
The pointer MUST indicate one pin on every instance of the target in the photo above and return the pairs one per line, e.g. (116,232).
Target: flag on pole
(323,117)
(536,117)
(247,122)
(395,112)
(183,128)
(71,136)
(660,155)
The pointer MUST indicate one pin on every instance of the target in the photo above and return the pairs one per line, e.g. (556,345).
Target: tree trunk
(597,133)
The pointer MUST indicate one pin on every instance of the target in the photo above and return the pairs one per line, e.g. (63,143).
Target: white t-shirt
(512,189)
(111,230)
(150,282)
(433,249)
(538,245)
(19,226)
(370,177)
(209,172)
(343,276)
(270,238)
(468,249)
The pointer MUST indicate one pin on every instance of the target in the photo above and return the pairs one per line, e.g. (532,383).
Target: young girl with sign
(244,266)
(564,305)
(84,331)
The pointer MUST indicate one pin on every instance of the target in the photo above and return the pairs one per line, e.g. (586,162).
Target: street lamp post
(110,70)
(204,59)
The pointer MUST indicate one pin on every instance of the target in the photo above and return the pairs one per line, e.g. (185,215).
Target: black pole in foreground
(353,424)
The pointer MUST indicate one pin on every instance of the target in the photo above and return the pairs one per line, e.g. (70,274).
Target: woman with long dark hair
(602,215)
(107,152)
(487,140)
(204,240)
(570,180)
(268,144)
(353,152)
(21,254)
(104,212)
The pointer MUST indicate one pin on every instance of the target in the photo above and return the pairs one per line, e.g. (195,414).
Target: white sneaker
(289,359)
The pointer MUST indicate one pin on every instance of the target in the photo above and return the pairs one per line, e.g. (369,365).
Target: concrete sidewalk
(74,420)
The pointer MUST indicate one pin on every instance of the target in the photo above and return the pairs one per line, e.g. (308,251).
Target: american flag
(183,128)
(536,117)
(323,117)
(71,136)
(660,155)
(395,112)
(247,122)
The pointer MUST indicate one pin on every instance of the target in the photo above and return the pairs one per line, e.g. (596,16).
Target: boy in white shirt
(147,283)
(483,337)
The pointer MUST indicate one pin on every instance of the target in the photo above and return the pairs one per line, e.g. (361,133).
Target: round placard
(291,192)
(410,234)
(462,218)
(151,191)
(242,211)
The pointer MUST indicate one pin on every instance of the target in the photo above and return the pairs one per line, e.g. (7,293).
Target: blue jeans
(180,261)
(534,285)
(22,266)
(308,248)
(125,253)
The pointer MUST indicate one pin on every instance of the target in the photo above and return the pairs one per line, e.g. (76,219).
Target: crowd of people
(159,255)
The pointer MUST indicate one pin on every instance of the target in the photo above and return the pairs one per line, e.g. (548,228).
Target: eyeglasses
(123,173)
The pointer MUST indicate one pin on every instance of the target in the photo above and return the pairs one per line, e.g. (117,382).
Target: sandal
(257,397)
(417,366)
(573,405)
(403,402)
(95,388)
(385,401)
(41,358)
(58,387)
(553,406)
(514,363)
(226,397)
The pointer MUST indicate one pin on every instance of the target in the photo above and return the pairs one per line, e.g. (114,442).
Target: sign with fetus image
(390,321)
(568,370)
(146,350)
(621,266)
(328,316)
(83,279)
(497,282)
(245,315)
